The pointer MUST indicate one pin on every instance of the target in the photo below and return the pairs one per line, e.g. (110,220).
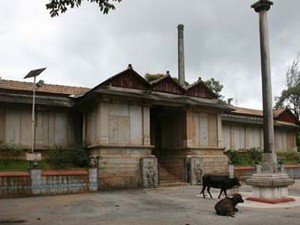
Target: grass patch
(20,165)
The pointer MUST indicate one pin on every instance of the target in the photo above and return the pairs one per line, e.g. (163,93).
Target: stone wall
(120,167)
(15,184)
(38,182)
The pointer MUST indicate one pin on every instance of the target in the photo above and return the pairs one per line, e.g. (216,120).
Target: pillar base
(271,201)
(270,188)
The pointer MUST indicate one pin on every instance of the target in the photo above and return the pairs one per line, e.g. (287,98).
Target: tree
(290,97)
(57,7)
(217,87)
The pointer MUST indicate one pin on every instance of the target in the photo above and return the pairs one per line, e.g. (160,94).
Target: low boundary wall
(244,172)
(48,182)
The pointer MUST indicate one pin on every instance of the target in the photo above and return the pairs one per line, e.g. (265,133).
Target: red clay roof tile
(46,88)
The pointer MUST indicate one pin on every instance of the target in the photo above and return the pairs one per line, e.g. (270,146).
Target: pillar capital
(180,26)
(262,5)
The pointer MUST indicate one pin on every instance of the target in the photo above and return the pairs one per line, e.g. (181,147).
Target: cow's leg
(220,193)
(208,188)
(225,192)
(203,189)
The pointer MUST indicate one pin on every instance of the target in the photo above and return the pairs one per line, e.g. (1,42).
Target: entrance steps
(167,179)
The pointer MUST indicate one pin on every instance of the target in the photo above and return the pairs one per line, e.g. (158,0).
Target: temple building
(141,133)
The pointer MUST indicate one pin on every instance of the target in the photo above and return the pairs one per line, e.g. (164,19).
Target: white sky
(84,47)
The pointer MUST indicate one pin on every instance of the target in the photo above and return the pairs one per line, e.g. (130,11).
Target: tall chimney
(181,76)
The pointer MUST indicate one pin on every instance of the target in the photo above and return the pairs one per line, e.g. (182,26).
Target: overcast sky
(84,47)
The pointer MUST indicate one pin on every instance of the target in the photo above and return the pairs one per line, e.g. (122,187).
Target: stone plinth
(270,187)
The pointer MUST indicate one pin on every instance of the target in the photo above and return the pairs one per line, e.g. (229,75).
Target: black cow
(227,206)
(222,182)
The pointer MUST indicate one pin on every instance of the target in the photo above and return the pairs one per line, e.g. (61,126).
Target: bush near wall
(12,158)
(78,157)
(244,157)
(254,155)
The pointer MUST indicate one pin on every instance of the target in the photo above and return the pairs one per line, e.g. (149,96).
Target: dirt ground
(163,206)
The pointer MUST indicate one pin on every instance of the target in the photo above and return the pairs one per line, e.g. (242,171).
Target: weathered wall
(15,184)
(118,124)
(119,135)
(38,182)
(245,136)
(53,127)
(120,167)
(205,140)
(203,129)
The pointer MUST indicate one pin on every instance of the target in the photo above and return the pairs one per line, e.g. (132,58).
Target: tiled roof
(255,112)
(46,88)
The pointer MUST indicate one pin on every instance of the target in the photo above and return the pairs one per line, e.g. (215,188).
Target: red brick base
(270,200)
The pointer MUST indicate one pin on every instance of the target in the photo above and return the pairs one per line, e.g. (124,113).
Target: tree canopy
(57,7)
(290,97)
(217,87)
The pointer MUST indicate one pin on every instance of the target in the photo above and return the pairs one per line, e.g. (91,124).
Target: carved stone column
(149,172)
(195,170)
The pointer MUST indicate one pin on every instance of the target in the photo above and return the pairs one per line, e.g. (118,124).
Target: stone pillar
(181,75)
(268,186)
(149,172)
(258,169)
(93,178)
(36,181)
(195,170)
(269,156)
(231,171)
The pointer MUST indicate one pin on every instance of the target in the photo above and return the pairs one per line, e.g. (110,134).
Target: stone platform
(270,188)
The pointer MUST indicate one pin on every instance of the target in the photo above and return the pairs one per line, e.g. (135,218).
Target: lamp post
(34,74)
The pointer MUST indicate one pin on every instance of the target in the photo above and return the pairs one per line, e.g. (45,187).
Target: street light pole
(34,74)
(33,116)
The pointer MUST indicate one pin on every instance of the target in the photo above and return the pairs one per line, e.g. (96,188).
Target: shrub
(81,156)
(244,157)
(11,152)
(288,157)
(61,159)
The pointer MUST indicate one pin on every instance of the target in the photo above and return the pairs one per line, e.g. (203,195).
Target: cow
(227,206)
(222,182)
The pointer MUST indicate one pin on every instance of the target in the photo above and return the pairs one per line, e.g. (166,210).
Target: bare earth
(174,205)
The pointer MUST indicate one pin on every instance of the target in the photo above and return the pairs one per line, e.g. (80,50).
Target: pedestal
(270,187)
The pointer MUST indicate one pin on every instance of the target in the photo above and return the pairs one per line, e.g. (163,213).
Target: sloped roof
(168,85)
(277,113)
(199,89)
(128,78)
(12,85)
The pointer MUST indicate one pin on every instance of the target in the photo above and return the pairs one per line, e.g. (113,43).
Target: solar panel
(34,73)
